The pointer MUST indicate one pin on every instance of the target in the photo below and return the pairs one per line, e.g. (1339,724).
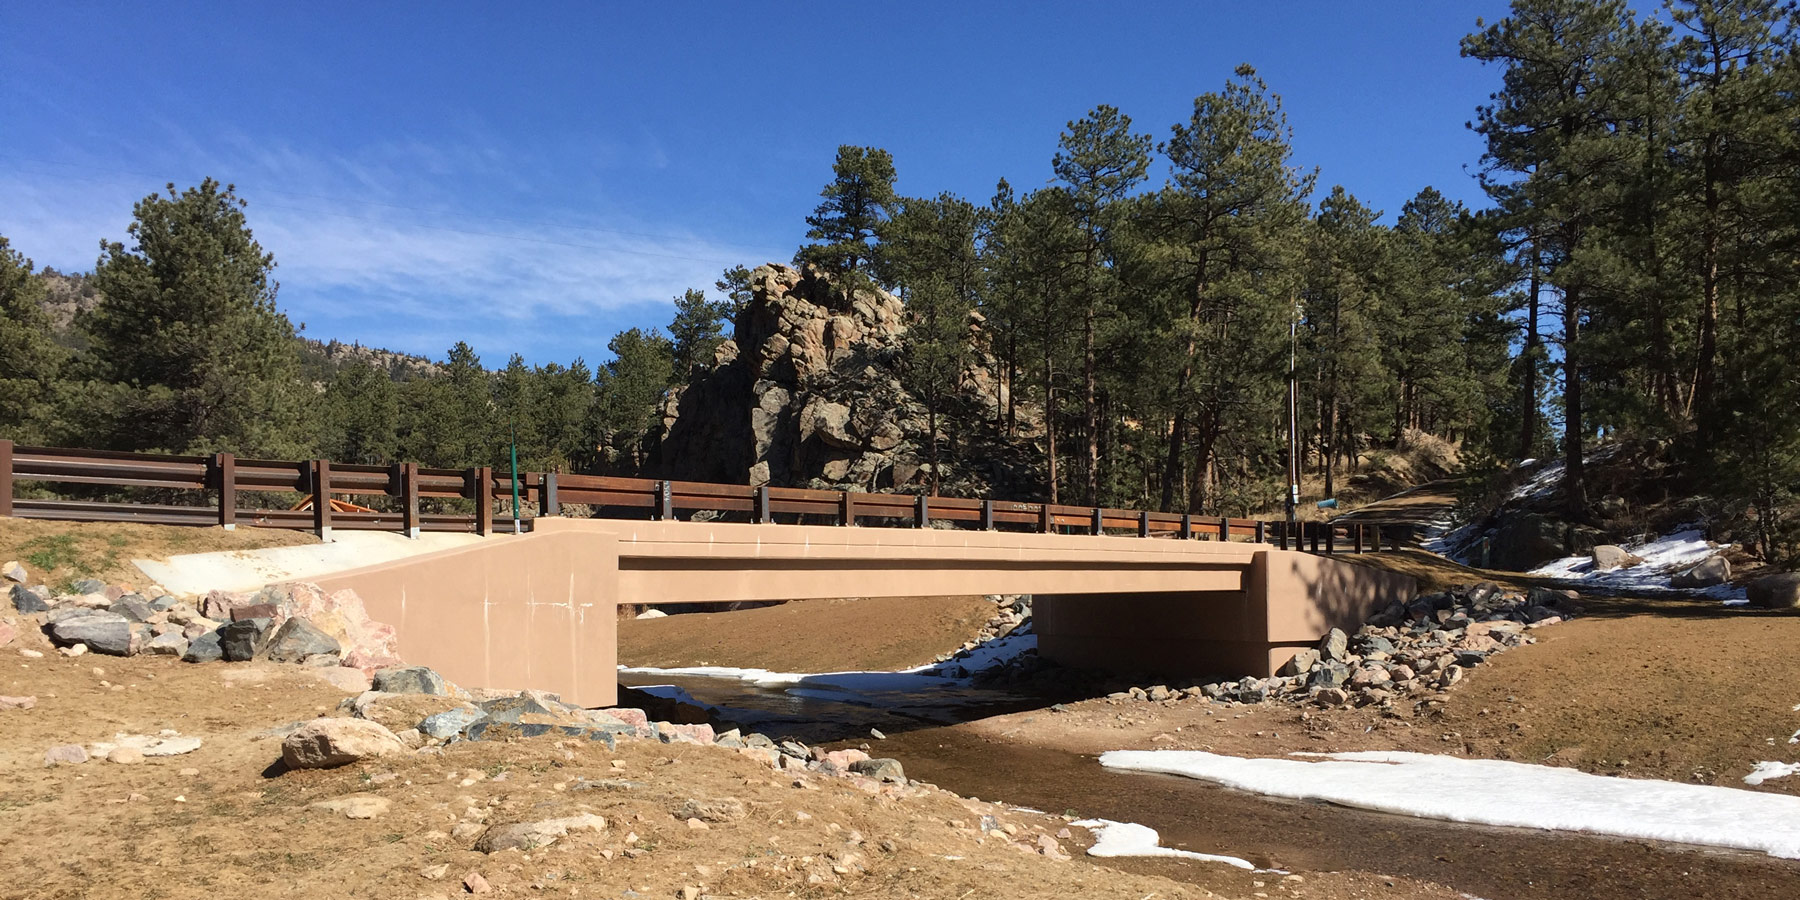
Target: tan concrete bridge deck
(540,610)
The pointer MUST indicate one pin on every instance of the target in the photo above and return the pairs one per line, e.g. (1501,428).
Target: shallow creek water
(920,719)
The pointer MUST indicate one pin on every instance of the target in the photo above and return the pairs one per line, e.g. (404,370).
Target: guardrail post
(922,511)
(224,473)
(1330,538)
(1143,523)
(321,479)
(1097,525)
(1262,532)
(1378,538)
(1046,519)
(6,477)
(763,515)
(1187,526)
(847,509)
(665,501)
(409,499)
(484,499)
(1224,528)
(1360,528)
(547,503)
(987,515)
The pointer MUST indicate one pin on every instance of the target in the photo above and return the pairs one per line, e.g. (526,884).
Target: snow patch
(1498,792)
(1765,771)
(1663,558)
(1112,839)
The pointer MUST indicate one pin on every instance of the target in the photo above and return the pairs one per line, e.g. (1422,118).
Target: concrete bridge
(540,610)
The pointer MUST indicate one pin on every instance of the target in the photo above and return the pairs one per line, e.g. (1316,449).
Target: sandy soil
(224,820)
(809,635)
(61,552)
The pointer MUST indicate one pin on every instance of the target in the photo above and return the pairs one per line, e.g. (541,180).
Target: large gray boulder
(102,632)
(241,640)
(26,600)
(204,648)
(1779,591)
(1714,570)
(298,639)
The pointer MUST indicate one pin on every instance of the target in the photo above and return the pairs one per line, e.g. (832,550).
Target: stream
(920,717)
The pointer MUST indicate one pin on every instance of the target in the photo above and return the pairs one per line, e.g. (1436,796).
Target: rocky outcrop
(811,392)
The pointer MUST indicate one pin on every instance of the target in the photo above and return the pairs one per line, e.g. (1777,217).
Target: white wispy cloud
(404,263)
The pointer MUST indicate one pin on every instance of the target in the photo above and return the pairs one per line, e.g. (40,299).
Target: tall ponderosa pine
(361,416)
(846,223)
(30,362)
(930,254)
(628,392)
(188,327)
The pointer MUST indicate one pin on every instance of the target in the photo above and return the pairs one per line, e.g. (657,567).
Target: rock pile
(290,623)
(1405,651)
(1012,613)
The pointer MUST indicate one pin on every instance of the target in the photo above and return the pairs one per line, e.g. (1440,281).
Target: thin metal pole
(515,475)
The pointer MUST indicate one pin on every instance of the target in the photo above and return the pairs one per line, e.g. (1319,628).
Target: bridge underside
(540,610)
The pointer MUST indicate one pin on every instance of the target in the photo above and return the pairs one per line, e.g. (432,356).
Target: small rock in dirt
(243,638)
(65,754)
(1302,663)
(90,586)
(125,756)
(1330,696)
(132,607)
(435,873)
(298,639)
(531,835)
(17,702)
(475,884)
(173,745)
(410,680)
(727,809)
(324,743)
(447,724)
(72,650)
(883,769)
(14,572)
(876,733)
(360,806)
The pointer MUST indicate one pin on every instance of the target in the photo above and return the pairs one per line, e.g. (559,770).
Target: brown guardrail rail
(226,491)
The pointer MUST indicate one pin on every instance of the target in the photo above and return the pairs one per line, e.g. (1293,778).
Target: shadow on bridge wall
(1290,600)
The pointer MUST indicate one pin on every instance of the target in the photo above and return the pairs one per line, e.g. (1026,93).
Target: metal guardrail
(226,490)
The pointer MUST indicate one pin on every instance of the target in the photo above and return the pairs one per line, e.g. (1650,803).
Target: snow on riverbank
(1767,770)
(1497,792)
(1114,839)
(1663,558)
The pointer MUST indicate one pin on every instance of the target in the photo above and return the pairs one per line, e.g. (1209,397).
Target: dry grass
(57,553)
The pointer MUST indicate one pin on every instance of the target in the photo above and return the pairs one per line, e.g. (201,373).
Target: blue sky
(535,177)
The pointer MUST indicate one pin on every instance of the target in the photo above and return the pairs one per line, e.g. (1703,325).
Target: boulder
(241,640)
(449,723)
(1611,556)
(167,644)
(91,586)
(880,769)
(327,743)
(410,680)
(26,600)
(132,607)
(102,632)
(204,648)
(1714,570)
(1335,645)
(1778,591)
(298,639)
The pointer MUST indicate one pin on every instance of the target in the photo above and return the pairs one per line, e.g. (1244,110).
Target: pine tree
(361,416)
(696,331)
(628,393)
(849,219)
(30,362)
(931,256)
(189,327)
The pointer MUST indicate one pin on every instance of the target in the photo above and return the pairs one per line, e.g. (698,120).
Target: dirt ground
(882,634)
(63,552)
(224,820)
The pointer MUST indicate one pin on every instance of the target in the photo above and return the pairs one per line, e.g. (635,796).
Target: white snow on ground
(957,671)
(247,570)
(1664,557)
(1130,839)
(1497,792)
(1541,485)
(1767,770)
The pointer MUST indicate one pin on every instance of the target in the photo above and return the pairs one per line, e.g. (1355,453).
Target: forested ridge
(1632,276)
